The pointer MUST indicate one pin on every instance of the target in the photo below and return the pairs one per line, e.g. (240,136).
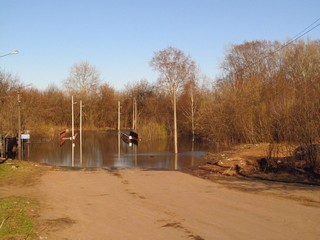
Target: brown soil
(244,162)
(137,204)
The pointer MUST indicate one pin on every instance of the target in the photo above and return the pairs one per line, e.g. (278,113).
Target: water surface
(103,149)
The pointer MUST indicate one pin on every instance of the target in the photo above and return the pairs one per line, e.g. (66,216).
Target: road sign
(25,136)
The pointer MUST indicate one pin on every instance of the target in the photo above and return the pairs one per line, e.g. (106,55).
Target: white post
(175,121)
(81,132)
(119,130)
(119,116)
(175,161)
(134,120)
(72,135)
(135,113)
(19,127)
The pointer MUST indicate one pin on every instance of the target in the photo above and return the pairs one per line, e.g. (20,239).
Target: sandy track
(134,204)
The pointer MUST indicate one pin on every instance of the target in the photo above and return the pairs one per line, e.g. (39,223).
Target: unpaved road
(136,204)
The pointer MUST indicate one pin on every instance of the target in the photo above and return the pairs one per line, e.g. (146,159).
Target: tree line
(266,92)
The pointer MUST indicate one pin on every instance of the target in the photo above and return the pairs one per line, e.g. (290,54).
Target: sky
(119,37)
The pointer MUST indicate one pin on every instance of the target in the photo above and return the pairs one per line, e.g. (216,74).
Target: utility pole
(19,127)
(72,134)
(119,129)
(81,132)
(175,120)
(192,115)
(119,116)
(134,114)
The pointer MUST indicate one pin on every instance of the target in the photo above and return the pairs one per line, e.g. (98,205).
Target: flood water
(106,149)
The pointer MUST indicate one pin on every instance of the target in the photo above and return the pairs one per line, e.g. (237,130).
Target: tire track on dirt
(170,221)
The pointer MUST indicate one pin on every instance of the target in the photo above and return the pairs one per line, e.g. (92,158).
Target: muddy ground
(138,204)
(251,162)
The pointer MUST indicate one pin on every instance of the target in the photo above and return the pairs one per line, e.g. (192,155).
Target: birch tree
(175,69)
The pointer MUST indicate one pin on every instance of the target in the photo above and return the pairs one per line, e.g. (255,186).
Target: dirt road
(135,204)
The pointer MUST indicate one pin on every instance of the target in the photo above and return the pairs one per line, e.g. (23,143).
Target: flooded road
(106,149)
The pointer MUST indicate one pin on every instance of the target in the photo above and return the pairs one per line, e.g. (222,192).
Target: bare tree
(83,82)
(83,79)
(175,69)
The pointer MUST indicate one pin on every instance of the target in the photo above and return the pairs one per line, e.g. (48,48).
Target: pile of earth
(251,161)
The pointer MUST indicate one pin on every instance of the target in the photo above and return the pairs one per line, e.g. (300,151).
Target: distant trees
(44,111)
(40,110)
(104,109)
(151,107)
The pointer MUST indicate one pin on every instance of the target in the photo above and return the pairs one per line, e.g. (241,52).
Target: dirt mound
(252,161)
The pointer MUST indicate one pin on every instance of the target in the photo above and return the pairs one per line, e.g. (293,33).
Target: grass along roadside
(16,221)
(20,173)
(17,212)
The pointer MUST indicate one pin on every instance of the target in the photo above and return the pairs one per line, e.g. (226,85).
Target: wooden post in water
(119,129)
(119,116)
(19,127)
(80,132)
(135,114)
(175,121)
(72,133)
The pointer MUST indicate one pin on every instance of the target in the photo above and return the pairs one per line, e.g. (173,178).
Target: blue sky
(119,37)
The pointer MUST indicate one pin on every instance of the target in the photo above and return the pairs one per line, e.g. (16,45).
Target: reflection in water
(105,149)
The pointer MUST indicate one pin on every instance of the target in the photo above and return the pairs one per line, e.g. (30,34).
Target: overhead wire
(300,35)
(303,31)
(294,38)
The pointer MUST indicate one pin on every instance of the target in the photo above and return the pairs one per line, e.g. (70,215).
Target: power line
(299,35)
(302,32)
(295,38)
